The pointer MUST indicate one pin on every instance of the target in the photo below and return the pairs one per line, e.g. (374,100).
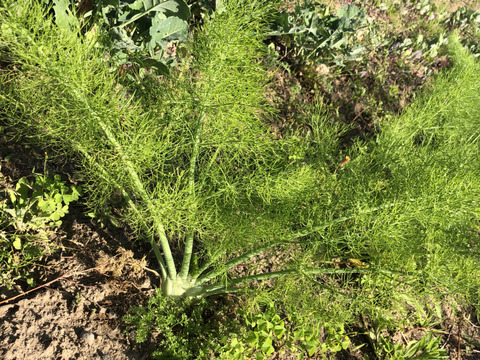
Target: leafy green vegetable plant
(467,22)
(268,334)
(41,203)
(315,34)
(309,341)
(225,201)
(265,328)
(141,32)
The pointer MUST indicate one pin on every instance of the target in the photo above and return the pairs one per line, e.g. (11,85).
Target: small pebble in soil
(87,336)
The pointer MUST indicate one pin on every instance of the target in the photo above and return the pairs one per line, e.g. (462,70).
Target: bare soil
(78,315)
(85,286)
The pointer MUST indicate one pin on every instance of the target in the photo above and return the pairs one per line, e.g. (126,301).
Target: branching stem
(137,184)
(247,256)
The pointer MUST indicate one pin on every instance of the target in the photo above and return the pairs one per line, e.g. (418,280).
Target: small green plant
(40,203)
(267,333)
(309,340)
(467,22)
(266,327)
(26,214)
(427,348)
(182,328)
(144,32)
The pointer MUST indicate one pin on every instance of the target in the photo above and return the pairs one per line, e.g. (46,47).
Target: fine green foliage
(425,166)
(197,163)
(183,329)
(27,212)
(225,199)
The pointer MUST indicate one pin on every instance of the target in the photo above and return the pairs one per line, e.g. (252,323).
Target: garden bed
(353,168)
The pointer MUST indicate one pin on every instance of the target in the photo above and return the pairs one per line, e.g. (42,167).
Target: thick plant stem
(80,149)
(247,256)
(134,208)
(229,286)
(187,253)
(232,263)
(172,273)
(137,184)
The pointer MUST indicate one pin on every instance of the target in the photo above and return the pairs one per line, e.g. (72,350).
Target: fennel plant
(206,180)
(192,156)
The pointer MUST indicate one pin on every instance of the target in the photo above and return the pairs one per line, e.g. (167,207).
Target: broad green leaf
(311,348)
(279,330)
(262,324)
(55,216)
(299,334)
(275,318)
(22,189)
(64,18)
(67,199)
(172,7)
(12,195)
(336,348)
(267,347)
(176,7)
(137,5)
(11,212)
(43,205)
(263,334)
(170,29)
(233,342)
(17,243)
(159,66)
(252,337)
(220,7)
(123,41)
